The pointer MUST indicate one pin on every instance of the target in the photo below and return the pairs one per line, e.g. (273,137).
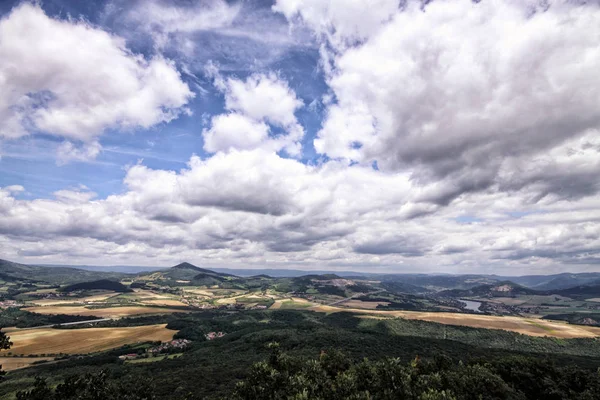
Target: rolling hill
(500,289)
(189,274)
(52,275)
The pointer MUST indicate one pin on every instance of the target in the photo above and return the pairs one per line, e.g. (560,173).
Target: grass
(290,305)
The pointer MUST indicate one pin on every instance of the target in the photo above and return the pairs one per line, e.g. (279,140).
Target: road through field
(527,326)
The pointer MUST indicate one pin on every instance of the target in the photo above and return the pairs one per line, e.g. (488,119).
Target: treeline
(102,284)
(590,319)
(334,376)
(25,319)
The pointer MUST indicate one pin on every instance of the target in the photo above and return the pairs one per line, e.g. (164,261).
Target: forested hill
(53,275)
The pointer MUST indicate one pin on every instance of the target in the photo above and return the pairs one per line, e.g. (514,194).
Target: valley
(95,318)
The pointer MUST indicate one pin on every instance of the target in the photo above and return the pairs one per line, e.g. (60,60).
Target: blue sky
(318,134)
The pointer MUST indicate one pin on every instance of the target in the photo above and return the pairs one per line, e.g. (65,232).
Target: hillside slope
(53,275)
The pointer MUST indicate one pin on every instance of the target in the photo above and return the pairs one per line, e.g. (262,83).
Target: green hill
(500,289)
(102,284)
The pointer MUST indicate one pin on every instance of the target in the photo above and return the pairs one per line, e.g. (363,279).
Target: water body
(472,305)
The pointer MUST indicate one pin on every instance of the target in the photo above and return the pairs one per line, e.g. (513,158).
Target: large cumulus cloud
(255,207)
(70,79)
(456,90)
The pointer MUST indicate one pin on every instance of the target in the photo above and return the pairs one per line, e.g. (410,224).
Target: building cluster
(176,344)
(166,347)
(214,335)
(9,304)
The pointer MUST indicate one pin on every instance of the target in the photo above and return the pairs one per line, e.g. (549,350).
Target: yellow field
(81,341)
(201,292)
(165,302)
(109,312)
(276,305)
(595,300)
(527,326)
(11,363)
(52,302)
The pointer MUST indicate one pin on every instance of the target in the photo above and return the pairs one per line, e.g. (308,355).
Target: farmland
(108,312)
(81,341)
(527,326)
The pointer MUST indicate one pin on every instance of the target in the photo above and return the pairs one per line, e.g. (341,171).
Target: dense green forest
(334,376)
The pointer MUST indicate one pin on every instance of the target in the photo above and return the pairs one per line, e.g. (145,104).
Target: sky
(368,135)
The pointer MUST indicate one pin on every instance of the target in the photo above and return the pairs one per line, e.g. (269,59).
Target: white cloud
(241,35)
(254,102)
(341,21)
(67,152)
(255,207)
(234,131)
(450,89)
(70,79)
(162,19)
(14,188)
(263,97)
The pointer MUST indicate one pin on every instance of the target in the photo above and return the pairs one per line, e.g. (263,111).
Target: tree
(335,377)
(88,387)
(5,344)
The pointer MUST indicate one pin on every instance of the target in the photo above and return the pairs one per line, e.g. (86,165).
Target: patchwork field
(12,363)
(109,312)
(527,326)
(80,341)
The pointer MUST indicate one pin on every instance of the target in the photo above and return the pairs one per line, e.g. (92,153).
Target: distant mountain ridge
(409,283)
